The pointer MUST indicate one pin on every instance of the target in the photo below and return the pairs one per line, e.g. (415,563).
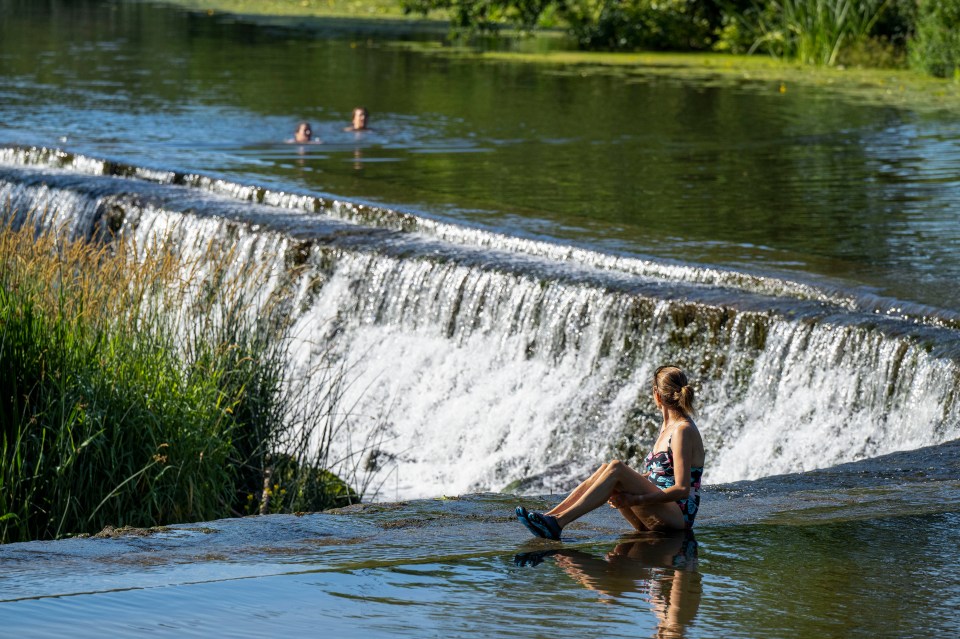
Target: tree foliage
(597,24)
(630,24)
(936,45)
(484,15)
(829,32)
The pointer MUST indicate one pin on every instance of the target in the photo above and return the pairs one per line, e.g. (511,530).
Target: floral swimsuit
(660,467)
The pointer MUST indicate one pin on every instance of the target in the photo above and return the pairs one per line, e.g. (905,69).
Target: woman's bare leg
(577,492)
(635,521)
(618,476)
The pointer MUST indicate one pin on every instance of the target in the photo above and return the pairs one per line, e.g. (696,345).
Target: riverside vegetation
(141,390)
(921,34)
(821,32)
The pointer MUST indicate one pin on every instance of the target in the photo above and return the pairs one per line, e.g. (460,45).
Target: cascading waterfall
(481,362)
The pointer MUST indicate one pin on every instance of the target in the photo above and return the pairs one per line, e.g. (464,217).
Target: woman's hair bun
(674,388)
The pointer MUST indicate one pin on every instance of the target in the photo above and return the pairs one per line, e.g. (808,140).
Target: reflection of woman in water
(663,567)
(665,495)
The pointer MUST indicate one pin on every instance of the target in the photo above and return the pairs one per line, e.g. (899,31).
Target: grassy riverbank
(137,390)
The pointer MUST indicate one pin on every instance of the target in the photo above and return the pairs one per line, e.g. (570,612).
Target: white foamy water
(820,395)
(538,386)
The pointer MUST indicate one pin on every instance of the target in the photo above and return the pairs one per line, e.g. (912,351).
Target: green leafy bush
(597,24)
(643,24)
(821,32)
(935,47)
(483,15)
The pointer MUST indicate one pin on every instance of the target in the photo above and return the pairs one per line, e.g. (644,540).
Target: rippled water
(463,567)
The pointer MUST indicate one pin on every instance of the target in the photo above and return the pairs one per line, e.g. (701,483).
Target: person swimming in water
(303,134)
(359,120)
(665,495)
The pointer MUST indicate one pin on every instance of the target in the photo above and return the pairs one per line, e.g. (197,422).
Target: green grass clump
(810,31)
(137,390)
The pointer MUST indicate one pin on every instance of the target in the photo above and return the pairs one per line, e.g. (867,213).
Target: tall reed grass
(810,31)
(139,389)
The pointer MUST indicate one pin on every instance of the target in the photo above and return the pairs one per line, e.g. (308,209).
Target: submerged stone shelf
(409,568)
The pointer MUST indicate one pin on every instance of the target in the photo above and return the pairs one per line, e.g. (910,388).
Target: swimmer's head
(304,133)
(360,117)
(670,385)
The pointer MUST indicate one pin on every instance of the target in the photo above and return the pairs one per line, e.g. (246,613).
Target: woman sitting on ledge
(665,496)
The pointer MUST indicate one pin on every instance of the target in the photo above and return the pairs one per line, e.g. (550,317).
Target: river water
(503,261)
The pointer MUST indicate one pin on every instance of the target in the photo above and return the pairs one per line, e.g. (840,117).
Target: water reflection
(661,569)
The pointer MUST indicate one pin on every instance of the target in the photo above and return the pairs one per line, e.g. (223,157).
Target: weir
(481,361)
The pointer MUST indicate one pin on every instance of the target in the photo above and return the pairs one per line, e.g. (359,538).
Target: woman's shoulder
(686,426)
(687,430)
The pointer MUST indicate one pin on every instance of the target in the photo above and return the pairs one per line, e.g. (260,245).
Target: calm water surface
(427,570)
(741,175)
